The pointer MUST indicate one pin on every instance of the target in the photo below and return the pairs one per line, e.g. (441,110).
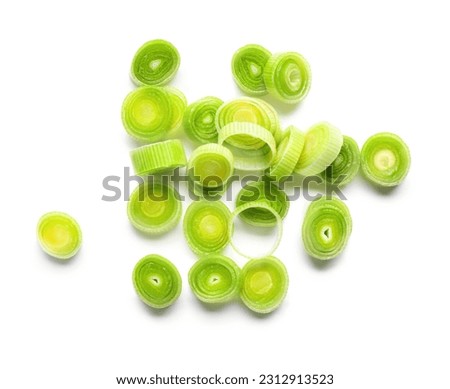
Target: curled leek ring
(385,159)
(155,63)
(346,165)
(154,208)
(261,205)
(158,157)
(215,279)
(287,77)
(249,110)
(157,281)
(288,154)
(322,145)
(59,235)
(206,226)
(265,191)
(265,283)
(211,165)
(199,120)
(253,146)
(326,228)
(179,104)
(247,66)
(147,114)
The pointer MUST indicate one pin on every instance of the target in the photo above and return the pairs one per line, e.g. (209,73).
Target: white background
(377,317)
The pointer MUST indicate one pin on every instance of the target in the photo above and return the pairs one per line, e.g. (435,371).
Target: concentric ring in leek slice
(154,208)
(265,283)
(179,104)
(59,235)
(157,281)
(215,279)
(155,63)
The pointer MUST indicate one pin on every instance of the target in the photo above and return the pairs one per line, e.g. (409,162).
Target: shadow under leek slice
(147,114)
(247,67)
(215,279)
(199,120)
(346,165)
(158,157)
(264,284)
(155,63)
(327,226)
(154,208)
(206,226)
(248,110)
(260,205)
(385,159)
(156,281)
(287,77)
(322,145)
(265,191)
(253,146)
(59,235)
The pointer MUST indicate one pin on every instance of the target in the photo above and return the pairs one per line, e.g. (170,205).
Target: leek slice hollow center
(384,159)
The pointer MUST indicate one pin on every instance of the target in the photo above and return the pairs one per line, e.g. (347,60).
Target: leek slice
(158,157)
(59,235)
(147,114)
(155,63)
(322,145)
(265,283)
(215,279)
(206,226)
(154,208)
(179,104)
(157,281)
(326,228)
(247,66)
(346,165)
(265,191)
(211,165)
(385,159)
(199,120)
(253,146)
(288,154)
(261,205)
(248,110)
(287,77)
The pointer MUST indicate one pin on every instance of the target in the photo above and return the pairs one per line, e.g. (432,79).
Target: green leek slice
(261,205)
(211,165)
(158,157)
(265,283)
(287,77)
(59,235)
(247,66)
(346,165)
(215,279)
(157,281)
(179,104)
(147,114)
(265,191)
(322,145)
(288,154)
(155,63)
(206,226)
(385,159)
(248,110)
(326,228)
(253,146)
(199,120)
(154,208)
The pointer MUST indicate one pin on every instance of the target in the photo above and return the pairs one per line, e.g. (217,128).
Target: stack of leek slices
(239,135)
